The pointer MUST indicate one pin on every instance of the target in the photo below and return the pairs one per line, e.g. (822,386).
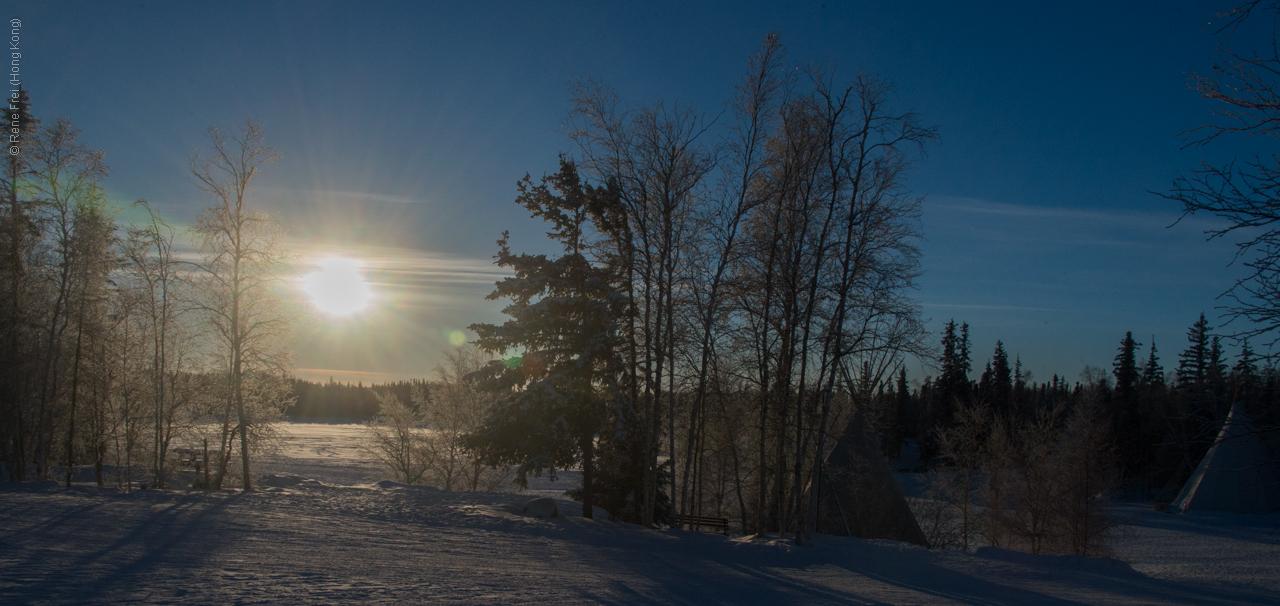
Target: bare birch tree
(239,281)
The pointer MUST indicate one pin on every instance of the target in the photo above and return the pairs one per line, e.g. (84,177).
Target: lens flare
(338,289)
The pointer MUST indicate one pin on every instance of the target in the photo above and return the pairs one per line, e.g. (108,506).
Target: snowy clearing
(307,541)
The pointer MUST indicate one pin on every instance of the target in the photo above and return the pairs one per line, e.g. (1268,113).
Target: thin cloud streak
(992,307)
(1114,219)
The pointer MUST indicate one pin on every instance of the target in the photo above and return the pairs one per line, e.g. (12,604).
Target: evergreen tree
(1125,414)
(1245,381)
(953,385)
(565,313)
(1216,370)
(902,401)
(1125,369)
(1153,414)
(1152,372)
(1001,380)
(984,383)
(950,359)
(1197,409)
(1193,364)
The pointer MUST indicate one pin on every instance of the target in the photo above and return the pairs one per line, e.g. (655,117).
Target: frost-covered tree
(397,437)
(65,179)
(455,408)
(239,279)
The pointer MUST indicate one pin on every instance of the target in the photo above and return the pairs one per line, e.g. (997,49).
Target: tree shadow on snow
(87,553)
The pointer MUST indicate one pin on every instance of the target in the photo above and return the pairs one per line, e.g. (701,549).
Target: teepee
(858,495)
(1237,474)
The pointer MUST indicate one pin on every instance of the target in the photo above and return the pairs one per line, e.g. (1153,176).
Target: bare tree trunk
(588,476)
(75,391)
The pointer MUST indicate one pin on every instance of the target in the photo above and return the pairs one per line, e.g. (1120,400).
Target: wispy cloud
(1117,218)
(992,307)
(403,265)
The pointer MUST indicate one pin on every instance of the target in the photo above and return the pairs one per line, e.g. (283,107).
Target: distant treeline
(1160,424)
(344,400)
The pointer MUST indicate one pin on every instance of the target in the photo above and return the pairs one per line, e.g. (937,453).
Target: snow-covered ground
(316,541)
(329,453)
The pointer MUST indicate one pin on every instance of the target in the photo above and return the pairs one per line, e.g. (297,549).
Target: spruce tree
(1001,380)
(984,383)
(1193,363)
(1125,369)
(950,359)
(1216,369)
(1200,382)
(562,382)
(953,386)
(1125,414)
(902,401)
(1245,381)
(1153,403)
(1152,372)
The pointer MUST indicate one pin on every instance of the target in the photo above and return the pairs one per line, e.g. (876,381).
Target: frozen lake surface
(342,538)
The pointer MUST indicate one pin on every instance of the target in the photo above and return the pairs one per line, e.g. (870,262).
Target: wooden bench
(190,459)
(702,522)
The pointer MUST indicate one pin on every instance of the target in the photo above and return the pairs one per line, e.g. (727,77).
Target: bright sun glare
(338,289)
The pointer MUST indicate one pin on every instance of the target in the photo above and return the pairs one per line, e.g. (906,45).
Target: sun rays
(338,288)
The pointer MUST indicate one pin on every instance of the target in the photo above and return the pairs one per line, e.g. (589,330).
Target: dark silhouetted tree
(1124,401)
(564,333)
(1193,363)
(1152,371)
(1001,380)
(20,234)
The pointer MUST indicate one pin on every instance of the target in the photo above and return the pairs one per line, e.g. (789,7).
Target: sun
(338,289)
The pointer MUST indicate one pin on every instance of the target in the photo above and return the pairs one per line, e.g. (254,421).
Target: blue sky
(406,125)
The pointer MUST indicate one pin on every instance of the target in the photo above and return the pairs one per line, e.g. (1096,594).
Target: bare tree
(397,437)
(93,243)
(655,159)
(1046,479)
(1244,192)
(455,408)
(753,112)
(154,265)
(239,281)
(963,446)
(66,176)
(1088,470)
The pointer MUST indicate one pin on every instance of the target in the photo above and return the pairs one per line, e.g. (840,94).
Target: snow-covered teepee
(858,493)
(1237,474)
